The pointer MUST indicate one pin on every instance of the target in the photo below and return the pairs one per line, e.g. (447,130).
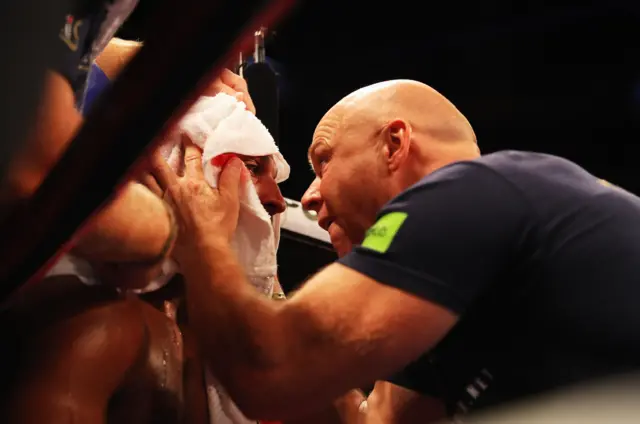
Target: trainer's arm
(432,252)
(391,404)
(311,348)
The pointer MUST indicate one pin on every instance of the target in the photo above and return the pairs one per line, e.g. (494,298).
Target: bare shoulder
(69,323)
(69,342)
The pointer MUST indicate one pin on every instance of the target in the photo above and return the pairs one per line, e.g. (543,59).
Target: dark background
(561,77)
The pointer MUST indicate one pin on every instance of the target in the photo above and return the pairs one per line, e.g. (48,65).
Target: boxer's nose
(272,198)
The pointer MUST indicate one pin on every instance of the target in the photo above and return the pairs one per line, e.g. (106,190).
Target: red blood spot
(221,160)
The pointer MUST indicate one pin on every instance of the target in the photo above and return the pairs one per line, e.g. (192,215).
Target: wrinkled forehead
(345,129)
(327,128)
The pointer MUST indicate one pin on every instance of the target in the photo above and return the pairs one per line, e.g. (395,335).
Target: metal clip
(259,53)
(240,65)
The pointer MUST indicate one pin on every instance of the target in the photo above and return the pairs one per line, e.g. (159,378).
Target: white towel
(220,125)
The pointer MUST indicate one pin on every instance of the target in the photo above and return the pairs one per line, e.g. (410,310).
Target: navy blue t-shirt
(540,260)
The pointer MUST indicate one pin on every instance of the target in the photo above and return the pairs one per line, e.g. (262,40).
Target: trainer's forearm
(134,227)
(240,334)
(219,293)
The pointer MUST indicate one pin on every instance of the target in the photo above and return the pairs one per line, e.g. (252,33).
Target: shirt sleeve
(97,82)
(446,238)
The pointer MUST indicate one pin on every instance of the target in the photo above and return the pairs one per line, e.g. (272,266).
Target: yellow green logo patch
(380,236)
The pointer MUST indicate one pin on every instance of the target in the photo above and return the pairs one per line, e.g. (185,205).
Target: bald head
(427,111)
(374,144)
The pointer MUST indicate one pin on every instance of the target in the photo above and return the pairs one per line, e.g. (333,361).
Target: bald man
(475,280)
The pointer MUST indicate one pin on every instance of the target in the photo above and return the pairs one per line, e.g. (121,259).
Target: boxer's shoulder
(65,307)
(153,389)
(98,335)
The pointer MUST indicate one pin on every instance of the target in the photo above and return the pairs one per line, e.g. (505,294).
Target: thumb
(231,177)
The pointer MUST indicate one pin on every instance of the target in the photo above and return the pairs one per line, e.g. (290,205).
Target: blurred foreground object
(142,105)
(610,401)
(26,29)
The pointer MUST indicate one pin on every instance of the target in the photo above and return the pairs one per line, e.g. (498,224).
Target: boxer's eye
(253,167)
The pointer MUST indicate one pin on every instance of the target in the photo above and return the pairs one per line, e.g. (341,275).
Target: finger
(242,97)
(247,101)
(150,182)
(223,88)
(239,84)
(180,168)
(192,159)
(164,176)
(233,80)
(351,406)
(218,86)
(230,178)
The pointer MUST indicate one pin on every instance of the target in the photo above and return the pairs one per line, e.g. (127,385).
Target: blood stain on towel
(221,160)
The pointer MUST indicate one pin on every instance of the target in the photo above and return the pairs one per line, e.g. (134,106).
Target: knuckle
(192,186)
(191,157)
(241,84)
(227,90)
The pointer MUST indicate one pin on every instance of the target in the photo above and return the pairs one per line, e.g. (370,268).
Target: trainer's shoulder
(500,166)
(468,179)
(508,162)
(534,170)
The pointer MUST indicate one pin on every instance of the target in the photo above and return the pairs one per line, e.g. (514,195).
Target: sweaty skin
(341,329)
(85,354)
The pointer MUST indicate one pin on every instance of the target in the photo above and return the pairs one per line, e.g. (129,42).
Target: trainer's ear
(397,141)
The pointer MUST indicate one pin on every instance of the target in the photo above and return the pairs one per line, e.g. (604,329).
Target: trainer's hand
(204,214)
(233,85)
(351,408)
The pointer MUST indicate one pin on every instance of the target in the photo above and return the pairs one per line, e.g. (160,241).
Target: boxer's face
(263,174)
(349,188)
